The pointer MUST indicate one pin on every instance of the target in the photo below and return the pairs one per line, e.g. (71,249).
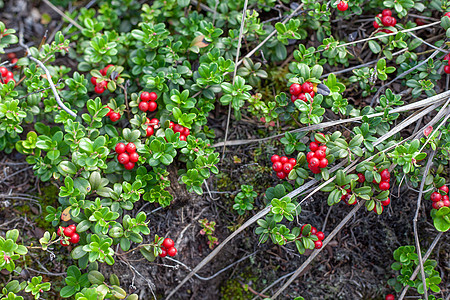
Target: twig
(62,14)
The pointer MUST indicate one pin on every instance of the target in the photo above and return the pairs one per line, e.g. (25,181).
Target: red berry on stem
(130,148)
(153,96)
(313,230)
(314,162)
(284,159)
(3,71)
(69,231)
(75,238)
(64,243)
(123,158)
(387,21)
(384,186)
(168,243)
(186,131)
(293,98)
(143,106)
(281,175)
(444,188)
(171,124)
(149,131)
(320,235)
(154,122)
(385,175)
(361,178)
(295,89)
(302,97)
(342,6)
(435,197)
(315,170)
(287,167)
(310,155)
(445,198)
(152,106)
(386,12)
(178,128)
(323,148)
(318,244)
(292,161)
(323,163)
(307,87)
(163,253)
(120,148)
(172,251)
(94,80)
(386,202)
(275,158)
(134,157)
(99,89)
(389,297)
(313,146)
(446,202)
(277,167)
(183,138)
(375,24)
(145,96)
(114,117)
(60,228)
(320,154)
(129,165)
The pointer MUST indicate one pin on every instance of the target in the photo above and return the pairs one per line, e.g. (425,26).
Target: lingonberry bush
(129,118)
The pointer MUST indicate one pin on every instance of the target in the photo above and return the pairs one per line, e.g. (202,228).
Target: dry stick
(415,105)
(317,251)
(238,51)
(62,14)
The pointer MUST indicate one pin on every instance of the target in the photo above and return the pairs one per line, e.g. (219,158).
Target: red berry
(94,80)
(130,148)
(445,198)
(152,106)
(385,175)
(313,146)
(386,12)
(387,21)
(123,158)
(295,89)
(287,167)
(183,138)
(435,197)
(134,157)
(394,21)
(307,87)
(69,231)
(419,22)
(384,186)
(120,148)
(9,74)
(277,167)
(293,98)
(447,14)
(446,202)
(75,238)
(375,24)
(323,148)
(73,227)
(342,6)
(178,128)
(114,116)
(444,188)
(186,131)
(154,122)
(292,161)
(145,96)
(99,89)
(310,155)
(318,244)
(320,235)
(313,230)
(275,158)
(389,297)
(11,55)
(320,154)
(386,202)
(172,251)
(64,243)
(315,170)
(168,243)
(302,97)
(281,175)
(323,163)
(8,79)
(143,106)
(129,165)
(3,71)
(149,131)
(153,96)
(58,232)
(110,111)
(163,253)
(171,124)
(361,178)
(314,162)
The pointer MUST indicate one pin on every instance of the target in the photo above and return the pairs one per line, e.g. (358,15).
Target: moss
(235,288)
(49,197)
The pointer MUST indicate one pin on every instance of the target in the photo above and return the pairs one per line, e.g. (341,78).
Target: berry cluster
(100,87)
(299,91)
(127,155)
(113,116)
(148,101)
(316,158)
(6,76)
(152,125)
(440,198)
(342,6)
(385,178)
(282,165)
(184,131)
(168,248)
(387,20)
(447,58)
(69,232)
(320,236)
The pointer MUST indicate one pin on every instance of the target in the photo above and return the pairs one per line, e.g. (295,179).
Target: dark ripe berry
(134,157)
(292,161)
(314,162)
(320,235)
(302,97)
(11,55)
(130,148)
(318,244)
(94,80)
(123,158)
(168,243)
(69,231)
(389,297)
(284,159)
(172,251)
(342,6)
(120,148)
(384,186)
(99,89)
(129,165)
(163,253)
(313,230)
(281,175)
(376,25)
(277,167)
(385,175)
(149,131)
(183,138)
(387,21)
(310,155)
(3,71)
(419,22)
(313,146)
(287,167)
(58,232)
(178,128)
(293,98)
(307,87)
(295,89)
(143,106)
(323,163)
(145,96)
(320,154)
(361,178)
(64,243)
(315,170)
(444,188)
(386,12)
(435,197)
(75,238)
(386,202)
(186,131)
(114,116)
(153,96)
(152,106)
(275,158)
